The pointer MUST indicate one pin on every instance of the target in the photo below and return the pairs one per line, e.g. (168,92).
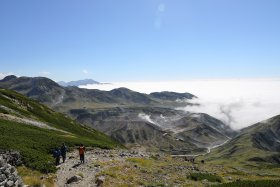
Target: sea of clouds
(237,102)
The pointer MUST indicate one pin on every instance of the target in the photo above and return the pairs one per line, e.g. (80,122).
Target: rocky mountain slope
(258,143)
(135,119)
(167,129)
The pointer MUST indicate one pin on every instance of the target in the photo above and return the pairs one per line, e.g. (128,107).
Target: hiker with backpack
(56,155)
(82,150)
(63,151)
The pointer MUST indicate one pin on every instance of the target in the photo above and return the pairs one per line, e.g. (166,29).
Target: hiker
(63,151)
(82,150)
(56,155)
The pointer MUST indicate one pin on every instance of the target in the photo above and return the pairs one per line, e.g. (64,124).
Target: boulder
(75,178)
(99,181)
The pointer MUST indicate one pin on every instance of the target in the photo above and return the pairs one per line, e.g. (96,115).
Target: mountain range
(151,120)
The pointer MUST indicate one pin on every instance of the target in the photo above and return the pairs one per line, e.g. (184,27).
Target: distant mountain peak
(78,82)
(172,95)
(8,78)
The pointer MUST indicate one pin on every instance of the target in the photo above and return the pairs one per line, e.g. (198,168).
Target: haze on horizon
(237,102)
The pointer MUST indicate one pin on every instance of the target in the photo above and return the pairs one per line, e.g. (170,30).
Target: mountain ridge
(78,82)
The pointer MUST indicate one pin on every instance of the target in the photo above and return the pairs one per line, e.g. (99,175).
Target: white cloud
(161,7)
(85,71)
(46,73)
(239,103)
(3,75)
(159,15)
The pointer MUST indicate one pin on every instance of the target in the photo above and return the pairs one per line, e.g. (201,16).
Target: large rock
(99,181)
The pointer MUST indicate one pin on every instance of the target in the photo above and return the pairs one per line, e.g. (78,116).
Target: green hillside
(34,130)
(255,145)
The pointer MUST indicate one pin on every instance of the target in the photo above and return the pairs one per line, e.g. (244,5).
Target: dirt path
(72,167)
(86,172)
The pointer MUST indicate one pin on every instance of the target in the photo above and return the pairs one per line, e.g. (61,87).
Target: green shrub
(260,183)
(201,176)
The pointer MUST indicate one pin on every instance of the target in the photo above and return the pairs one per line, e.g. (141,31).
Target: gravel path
(85,173)
(72,167)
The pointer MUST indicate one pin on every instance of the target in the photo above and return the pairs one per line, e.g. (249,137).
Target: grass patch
(81,175)
(141,161)
(35,178)
(202,176)
(260,183)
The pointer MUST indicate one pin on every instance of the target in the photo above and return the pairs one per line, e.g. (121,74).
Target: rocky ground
(127,168)
(73,173)
(111,168)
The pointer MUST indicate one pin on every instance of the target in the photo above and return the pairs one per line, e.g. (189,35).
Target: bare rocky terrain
(111,168)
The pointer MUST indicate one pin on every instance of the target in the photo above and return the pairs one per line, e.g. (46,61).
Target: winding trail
(202,154)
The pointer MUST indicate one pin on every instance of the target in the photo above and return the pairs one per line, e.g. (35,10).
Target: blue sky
(140,40)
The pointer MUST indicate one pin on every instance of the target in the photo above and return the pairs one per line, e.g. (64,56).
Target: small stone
(204,181)
(3,182)
(2,177)
(17,183)
(10,183)
(12,177)
(12,170)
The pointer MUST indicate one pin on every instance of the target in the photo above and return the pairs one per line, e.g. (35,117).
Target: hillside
(259,143)
(35,130)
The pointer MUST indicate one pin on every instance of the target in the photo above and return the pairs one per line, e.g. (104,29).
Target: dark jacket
(56,153)
(63,150)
